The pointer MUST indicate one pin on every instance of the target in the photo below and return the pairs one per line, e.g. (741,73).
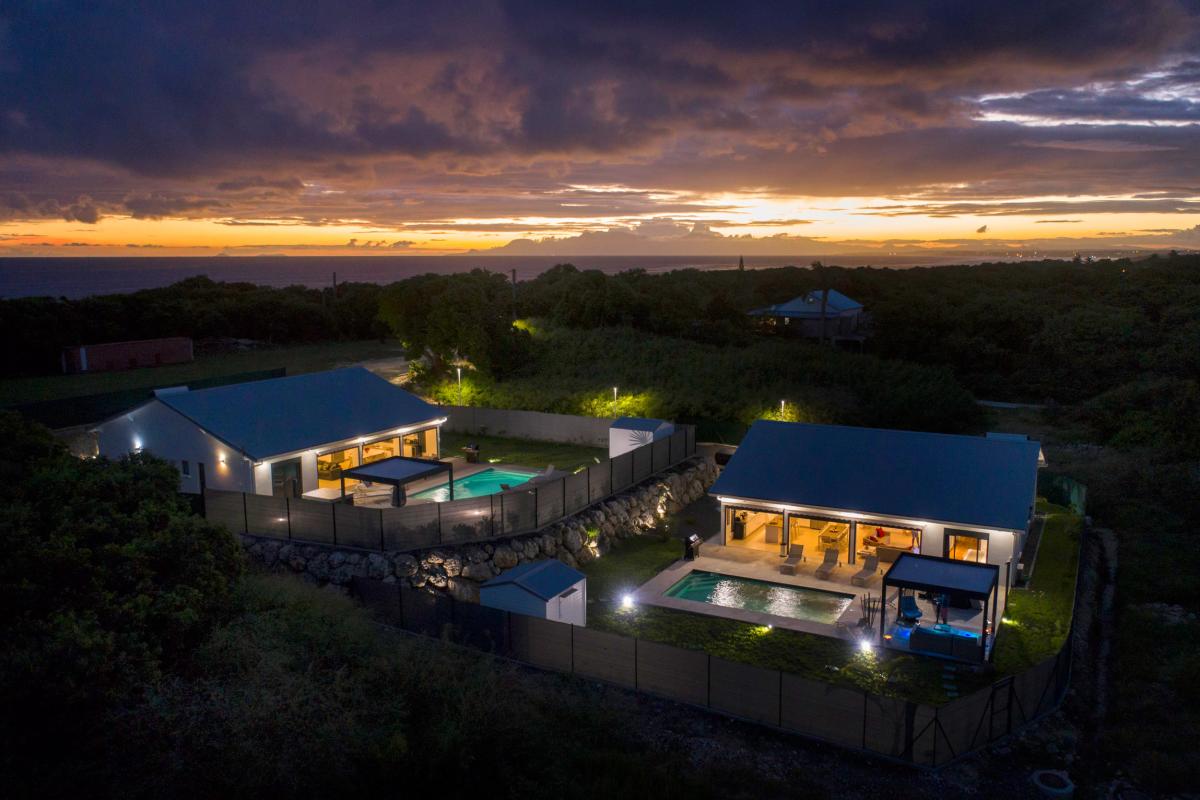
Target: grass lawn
(1039,617)
(525,452)
(818,657)
(298,359)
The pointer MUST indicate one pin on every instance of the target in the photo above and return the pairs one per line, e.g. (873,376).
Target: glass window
(819,535)
(964,546)
(887,542)
(420,444)
(185,467)
(431,443)
(754,529)
(384,448)
(330,466)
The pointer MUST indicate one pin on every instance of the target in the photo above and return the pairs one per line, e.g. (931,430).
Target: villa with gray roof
(284,436)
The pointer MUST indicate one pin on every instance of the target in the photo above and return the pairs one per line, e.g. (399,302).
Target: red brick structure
(127,355)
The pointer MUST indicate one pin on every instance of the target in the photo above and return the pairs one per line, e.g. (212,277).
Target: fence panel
(622,472)
(225,508)
(678,446)
(425,612)
(660,454)
(599,486)
(605,656)
(410,527)
(642,467)
(518,512)
(482,628)
(744,691)
(357,526)
(549,502)
(818,709)
(673,672)
(541,642)
(888,725)
(577,492)
(267,516)
(690,431)
(925,735)
(467,520)
(961,719)
(1034,689)
(312,520)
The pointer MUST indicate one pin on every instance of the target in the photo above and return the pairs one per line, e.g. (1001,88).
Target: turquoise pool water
(481,483)
(797,602)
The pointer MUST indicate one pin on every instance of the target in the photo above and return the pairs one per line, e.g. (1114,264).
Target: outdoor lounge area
(381,484)
(940,607)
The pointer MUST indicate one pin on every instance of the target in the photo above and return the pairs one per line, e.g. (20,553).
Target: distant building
(630,433)
(127,355)
(282,436)
(802,316)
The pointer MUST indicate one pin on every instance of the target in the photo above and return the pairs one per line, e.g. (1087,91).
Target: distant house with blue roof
(283,436)
(867,492)
(548,589)
(839,316)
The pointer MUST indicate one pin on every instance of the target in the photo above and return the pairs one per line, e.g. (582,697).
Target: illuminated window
(330,466)
(967,546)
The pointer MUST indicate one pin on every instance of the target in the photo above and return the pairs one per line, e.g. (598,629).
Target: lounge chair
(825,571)
(795,556)
(909,612)
(864,575)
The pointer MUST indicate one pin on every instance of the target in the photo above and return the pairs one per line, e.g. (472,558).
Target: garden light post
(459,385)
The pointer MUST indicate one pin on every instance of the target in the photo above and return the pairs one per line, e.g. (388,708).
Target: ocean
(81,277)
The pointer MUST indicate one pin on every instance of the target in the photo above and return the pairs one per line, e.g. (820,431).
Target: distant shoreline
(54,276)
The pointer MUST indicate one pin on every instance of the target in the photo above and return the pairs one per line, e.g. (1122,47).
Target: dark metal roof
(933,573)
(285,415)
(808,306)
(968,480)
(545,579)
(396,470)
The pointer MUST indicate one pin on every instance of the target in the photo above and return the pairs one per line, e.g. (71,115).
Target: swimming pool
(481,483)
(797,602)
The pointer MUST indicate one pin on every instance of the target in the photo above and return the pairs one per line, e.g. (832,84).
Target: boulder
(504,557)
(452,566)
(377,567)
(404,565)
(572,540)
(479,571)
(462,590)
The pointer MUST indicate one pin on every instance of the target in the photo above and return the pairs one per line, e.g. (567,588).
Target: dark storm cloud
(422,113)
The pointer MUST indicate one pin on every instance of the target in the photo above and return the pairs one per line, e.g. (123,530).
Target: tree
(106,579)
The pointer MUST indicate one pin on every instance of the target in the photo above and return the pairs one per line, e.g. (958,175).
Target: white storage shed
(548,589)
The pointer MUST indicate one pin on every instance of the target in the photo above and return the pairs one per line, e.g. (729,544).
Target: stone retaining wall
(458,571)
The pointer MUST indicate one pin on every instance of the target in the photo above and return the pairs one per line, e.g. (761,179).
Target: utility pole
(514,303)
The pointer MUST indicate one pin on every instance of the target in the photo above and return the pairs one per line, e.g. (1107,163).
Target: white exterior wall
(1003,546)
(157,429)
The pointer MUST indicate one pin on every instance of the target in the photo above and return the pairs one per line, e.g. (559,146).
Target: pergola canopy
(943,576)
(397,470)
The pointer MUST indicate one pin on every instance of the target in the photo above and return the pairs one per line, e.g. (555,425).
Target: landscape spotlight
(865,646)
(627,601)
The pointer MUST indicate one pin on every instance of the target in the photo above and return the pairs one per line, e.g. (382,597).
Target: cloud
(981,229)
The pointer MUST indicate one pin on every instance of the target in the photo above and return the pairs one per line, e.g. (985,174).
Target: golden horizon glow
(856,224)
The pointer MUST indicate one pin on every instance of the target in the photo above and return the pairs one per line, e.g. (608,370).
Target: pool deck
(762,566)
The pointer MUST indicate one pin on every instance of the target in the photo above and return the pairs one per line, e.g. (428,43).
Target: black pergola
(945,576)
(398,471)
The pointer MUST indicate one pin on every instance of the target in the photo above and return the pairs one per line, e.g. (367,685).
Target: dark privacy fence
(913,732)
(457,522)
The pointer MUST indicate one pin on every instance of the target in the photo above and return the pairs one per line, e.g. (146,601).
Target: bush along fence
(916,733)
(428,525)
